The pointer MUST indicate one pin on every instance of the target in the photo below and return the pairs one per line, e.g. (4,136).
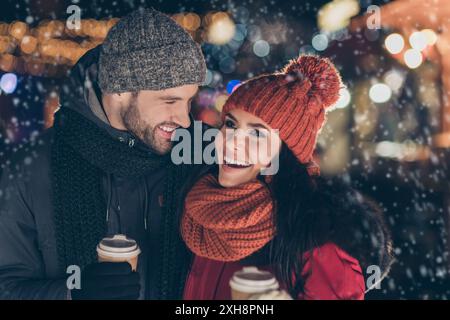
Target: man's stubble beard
(146,133)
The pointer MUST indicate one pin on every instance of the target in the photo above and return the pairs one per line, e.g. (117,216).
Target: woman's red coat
(329,274)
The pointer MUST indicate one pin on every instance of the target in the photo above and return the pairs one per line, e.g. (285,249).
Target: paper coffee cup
(251,280)
(118,248)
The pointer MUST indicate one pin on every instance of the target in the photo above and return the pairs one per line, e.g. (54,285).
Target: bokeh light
(220,101)
(209,77)
(221,29)
(191,21)
(344,99)
(394,79)
(336,14)
(320,42)
(261,48)
(8,82)
(431,36)
(380,93)
(413,58)
(418,40)
(232,85)
(394,43)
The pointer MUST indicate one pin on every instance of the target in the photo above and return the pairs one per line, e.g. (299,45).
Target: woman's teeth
(235,163)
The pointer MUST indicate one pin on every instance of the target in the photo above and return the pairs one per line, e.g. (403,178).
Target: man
(104,169)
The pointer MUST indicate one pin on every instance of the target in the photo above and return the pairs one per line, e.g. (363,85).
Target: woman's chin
(228,180)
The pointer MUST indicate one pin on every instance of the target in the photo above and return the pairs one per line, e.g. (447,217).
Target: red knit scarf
(227,224)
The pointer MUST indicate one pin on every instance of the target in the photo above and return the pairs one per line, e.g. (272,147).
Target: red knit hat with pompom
(293,101)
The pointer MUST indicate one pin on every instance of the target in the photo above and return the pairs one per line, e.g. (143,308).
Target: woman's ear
(268,178)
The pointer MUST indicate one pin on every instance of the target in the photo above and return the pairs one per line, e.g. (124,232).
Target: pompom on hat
(294,101)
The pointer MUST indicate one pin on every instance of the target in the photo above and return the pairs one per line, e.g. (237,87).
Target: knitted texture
(147,50)
(293,101)
(81,155)
(227,224)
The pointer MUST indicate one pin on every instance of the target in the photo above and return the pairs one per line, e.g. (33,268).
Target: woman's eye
(258,133)
(229,123)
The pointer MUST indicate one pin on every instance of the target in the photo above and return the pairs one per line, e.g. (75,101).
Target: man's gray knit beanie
(147,50)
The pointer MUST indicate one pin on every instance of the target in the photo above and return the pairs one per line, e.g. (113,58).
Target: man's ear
(112,106)
(113,100)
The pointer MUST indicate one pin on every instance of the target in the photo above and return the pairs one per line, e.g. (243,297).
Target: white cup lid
(118,245)
(253,280)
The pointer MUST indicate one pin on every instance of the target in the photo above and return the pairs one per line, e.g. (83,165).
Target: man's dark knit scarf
(81,154)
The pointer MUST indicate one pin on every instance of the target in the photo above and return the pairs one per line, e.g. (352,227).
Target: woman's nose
(236,140)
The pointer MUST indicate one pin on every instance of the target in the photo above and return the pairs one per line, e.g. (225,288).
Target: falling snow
(380,141)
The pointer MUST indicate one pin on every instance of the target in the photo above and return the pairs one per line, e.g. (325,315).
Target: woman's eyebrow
(232,117)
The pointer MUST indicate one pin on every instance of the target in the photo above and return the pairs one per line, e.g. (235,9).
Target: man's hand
(108,281)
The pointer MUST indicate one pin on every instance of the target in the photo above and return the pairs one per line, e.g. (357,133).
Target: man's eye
(170,102)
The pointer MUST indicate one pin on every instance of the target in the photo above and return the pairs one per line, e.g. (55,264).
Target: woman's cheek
(262,153)
(218,143)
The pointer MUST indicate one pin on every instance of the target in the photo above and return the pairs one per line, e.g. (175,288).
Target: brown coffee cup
(250,281)
(118,248)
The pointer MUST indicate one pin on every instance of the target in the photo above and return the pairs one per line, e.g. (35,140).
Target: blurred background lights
(401,151)
(388,149)
(209,77)
(307,49)
(418,40)
(380,93)
(240,33)
(413,58)
(220,101)
(394,79)
(261,48)
(227,65)
(191,21)
(394,43)
(8,82)
(320,42)
(344,99)
(221,29)
(431,36)
(336,14)
(232,85)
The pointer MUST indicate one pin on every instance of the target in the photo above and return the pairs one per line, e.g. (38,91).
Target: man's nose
(181,117)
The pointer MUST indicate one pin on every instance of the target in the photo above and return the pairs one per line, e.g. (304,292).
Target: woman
(315,235)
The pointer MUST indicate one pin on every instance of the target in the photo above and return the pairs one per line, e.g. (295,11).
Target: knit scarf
(227,224)
(82,153)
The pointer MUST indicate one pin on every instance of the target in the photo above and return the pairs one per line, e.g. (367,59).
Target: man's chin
(161,148)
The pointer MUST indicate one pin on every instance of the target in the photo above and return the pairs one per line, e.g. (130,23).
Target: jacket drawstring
(109,184)
(146,195)
(109,188)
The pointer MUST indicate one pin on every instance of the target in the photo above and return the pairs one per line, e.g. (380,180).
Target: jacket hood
(80,92)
